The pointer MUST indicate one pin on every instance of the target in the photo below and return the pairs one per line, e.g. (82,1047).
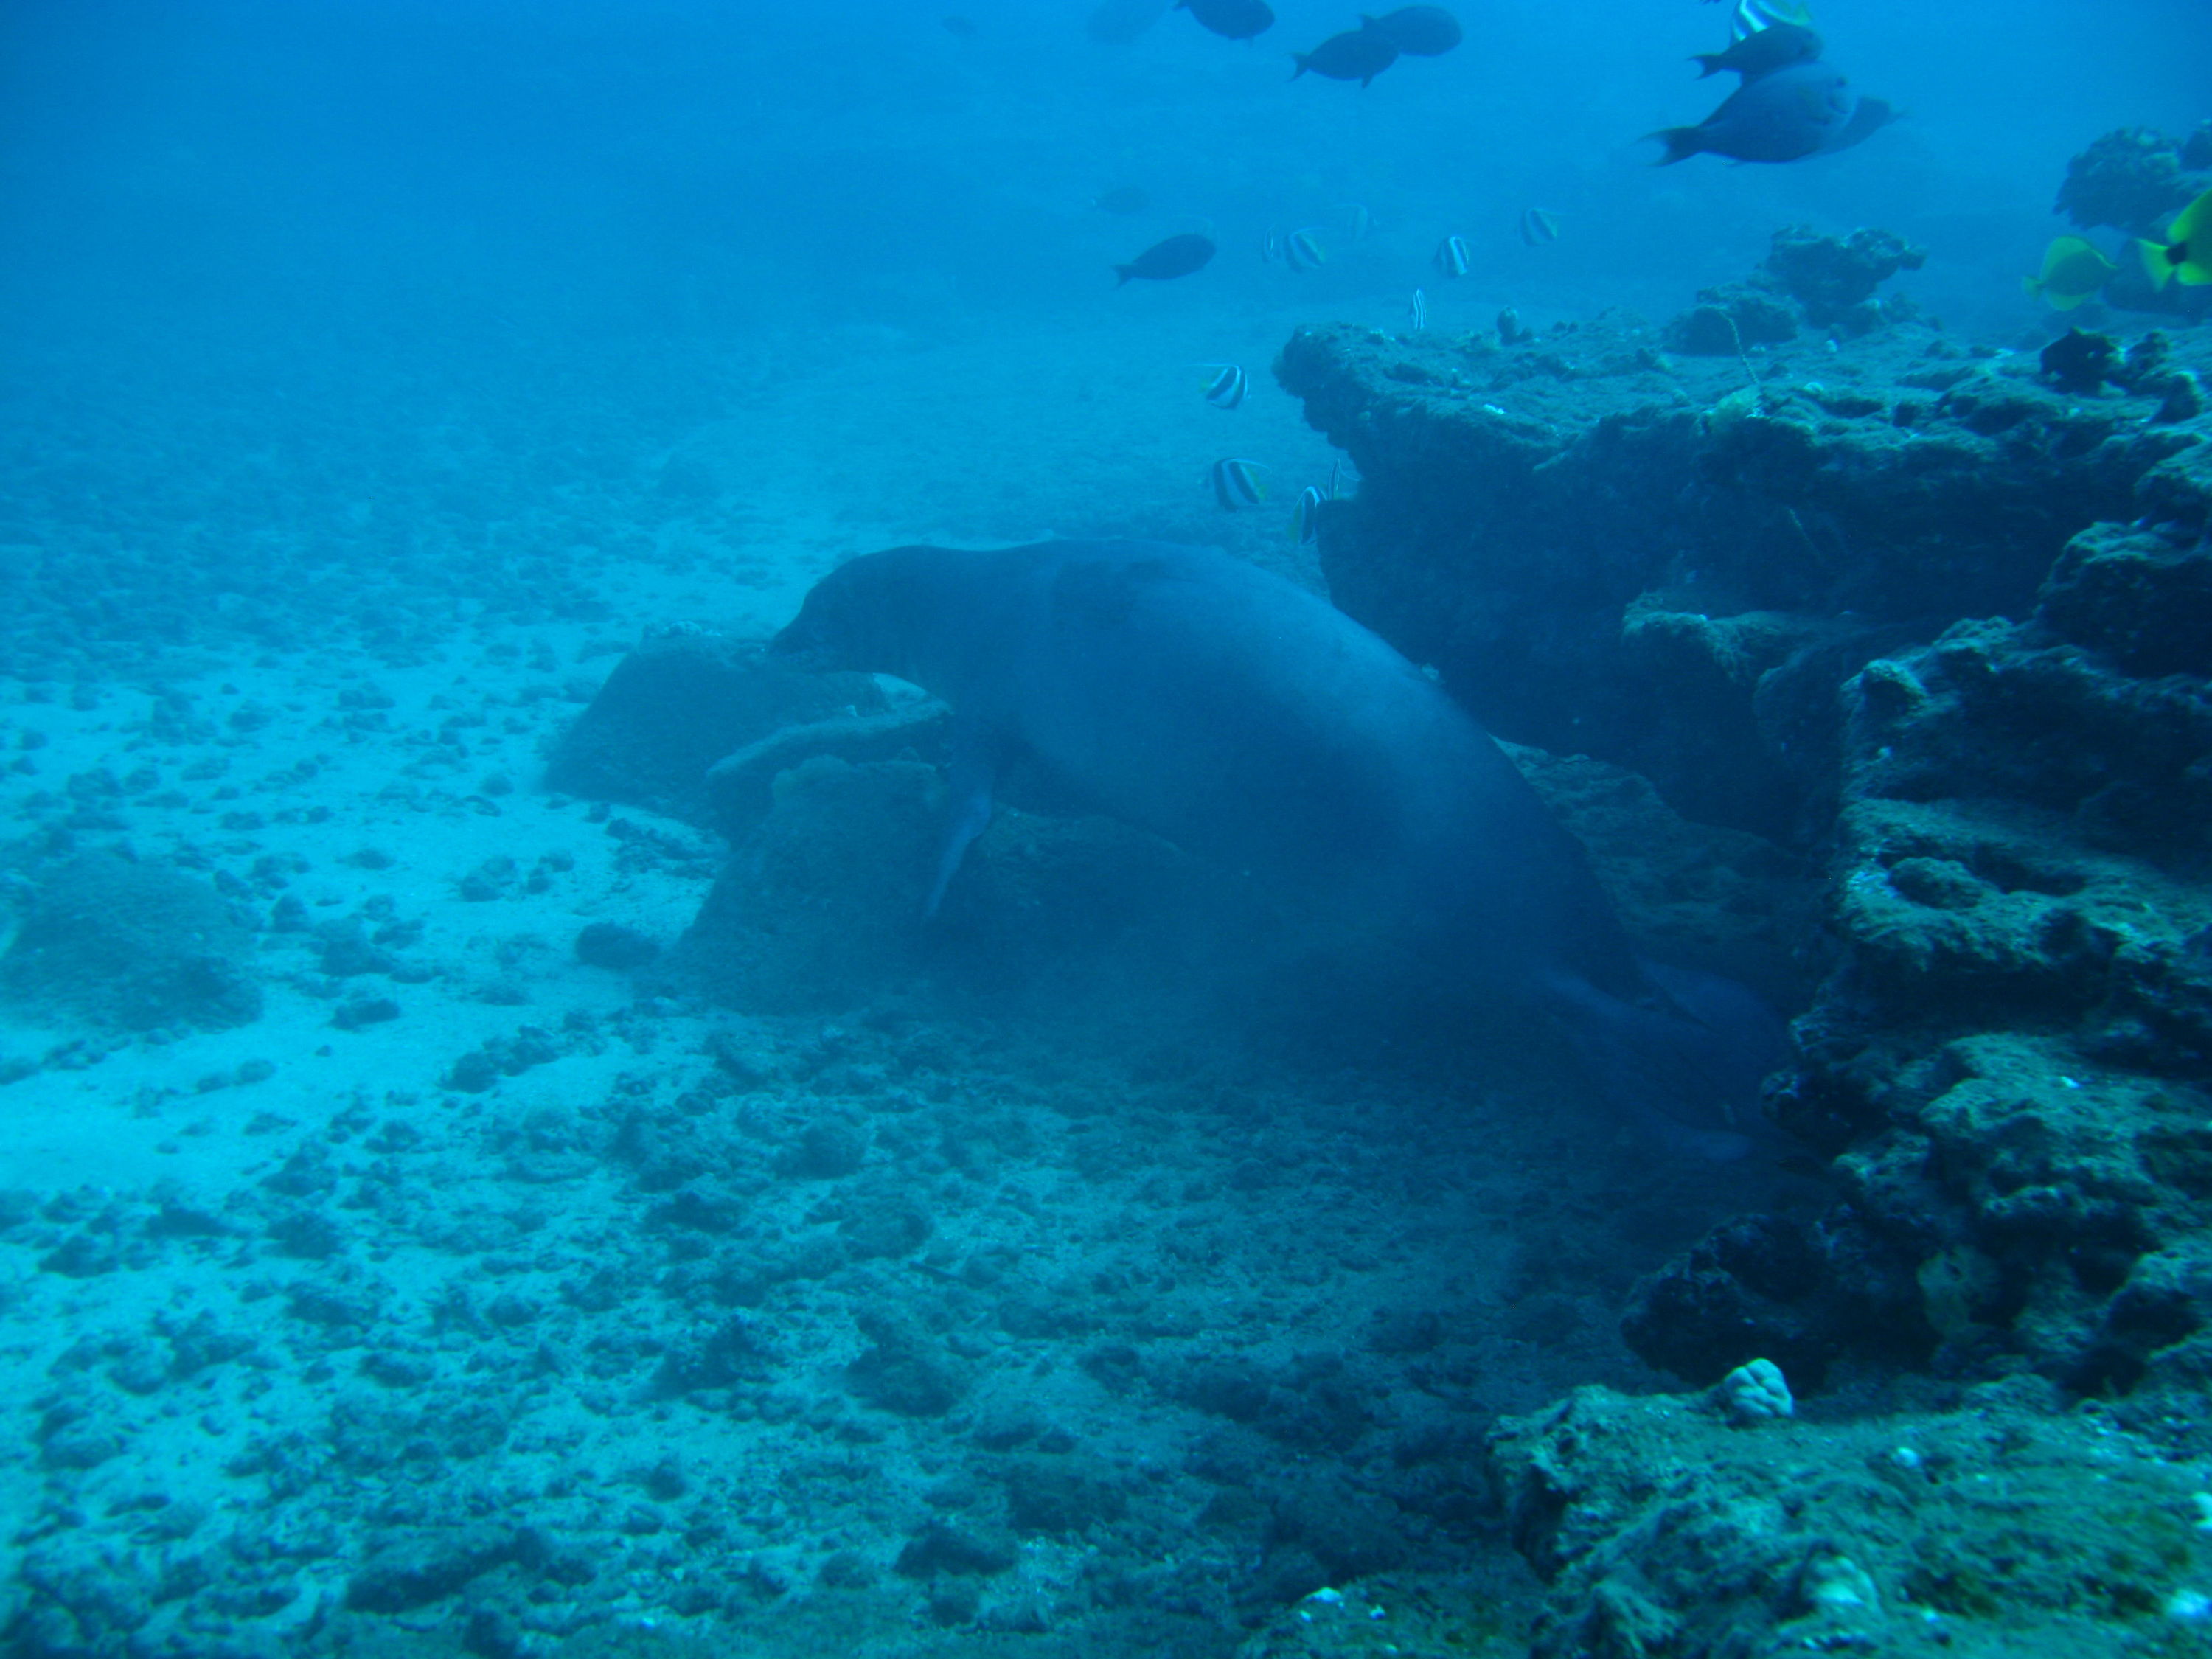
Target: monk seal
(1248,722)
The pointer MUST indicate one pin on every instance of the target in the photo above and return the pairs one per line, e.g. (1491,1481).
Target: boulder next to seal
(1250,722)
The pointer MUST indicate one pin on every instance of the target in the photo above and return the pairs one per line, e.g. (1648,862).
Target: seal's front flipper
(977,756)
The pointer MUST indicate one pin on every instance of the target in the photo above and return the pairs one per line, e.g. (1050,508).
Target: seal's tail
(1686,1074)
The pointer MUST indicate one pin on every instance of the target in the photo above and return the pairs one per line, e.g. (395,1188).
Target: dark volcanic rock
(1998,1527)
(1916,605)
(2132,179)
(2137,596)
(2018,1040)
(1664,564)
(1808,280)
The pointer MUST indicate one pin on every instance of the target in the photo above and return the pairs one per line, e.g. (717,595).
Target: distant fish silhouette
(1453,258)
(1122,199)
(1117,22)
(1538,227)
(1232,20)
(1355,55)
(1754,55)
(965,28)
(1417,31)
(1163,262)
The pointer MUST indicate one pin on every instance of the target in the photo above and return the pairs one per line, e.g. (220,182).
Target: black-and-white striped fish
(1302,250)
(1453,256)
(1305,517)
(1358,220)
(1418,313)
(1236,485)
(1225,385)
(1748,17)
(1538,227)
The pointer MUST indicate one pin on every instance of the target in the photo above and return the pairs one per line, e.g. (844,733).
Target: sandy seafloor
(1150,1344)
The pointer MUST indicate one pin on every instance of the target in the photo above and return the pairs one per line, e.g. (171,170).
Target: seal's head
(858,617)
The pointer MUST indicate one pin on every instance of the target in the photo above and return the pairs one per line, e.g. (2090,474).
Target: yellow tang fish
(2186,253)
(2073,270)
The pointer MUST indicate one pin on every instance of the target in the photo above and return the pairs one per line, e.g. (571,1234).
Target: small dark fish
(1302,250)
(1232,20)
(1356,54)
(1117,22)
(1235,485)
(1417,31)
(1453,258)
(1777,46)
(1225,385)
(1163,261)
(1122,199)
(1418,313)
(1538,227)
(965,28)
(1783,116)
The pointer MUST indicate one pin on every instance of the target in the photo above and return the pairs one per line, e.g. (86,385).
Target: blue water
(373,376)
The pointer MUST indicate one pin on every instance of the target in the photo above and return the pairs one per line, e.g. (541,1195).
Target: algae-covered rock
(1671,564)
(821,905)
(2132,179)
(683,700)
(134,946)
(2141,598)
(1993,1529)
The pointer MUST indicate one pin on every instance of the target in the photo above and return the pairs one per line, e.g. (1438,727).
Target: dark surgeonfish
(1356,54)
(1117,22)
(1417,31)
(1232,20)
(1775,48)
(1783,116)
(1163,261)
(1253,724)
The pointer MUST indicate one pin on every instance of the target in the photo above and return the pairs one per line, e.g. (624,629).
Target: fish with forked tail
(1355,55)
(1783,117)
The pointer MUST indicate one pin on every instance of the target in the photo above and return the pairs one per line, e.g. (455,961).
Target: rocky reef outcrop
(1936,613)
(1992,1526)
(1808,282)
